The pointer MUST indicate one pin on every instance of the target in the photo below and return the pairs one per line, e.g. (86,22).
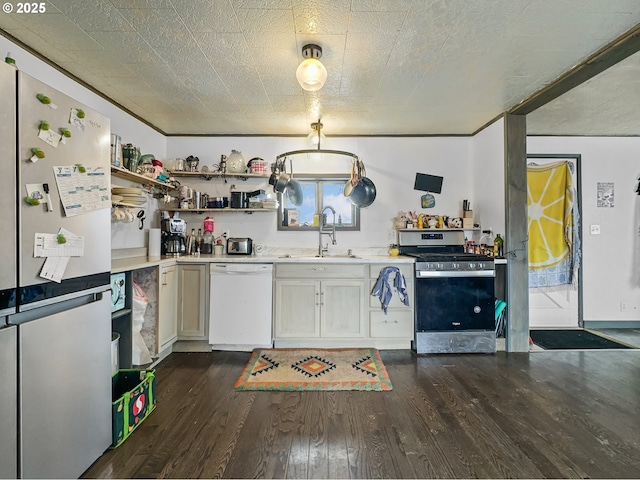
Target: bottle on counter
(199,241)
(485,241)
(207,239)
(498,247)
(207,244)
(191,241)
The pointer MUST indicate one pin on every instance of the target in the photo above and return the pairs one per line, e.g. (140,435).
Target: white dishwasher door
(240,306)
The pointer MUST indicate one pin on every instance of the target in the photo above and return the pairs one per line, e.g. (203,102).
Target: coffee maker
(174,231)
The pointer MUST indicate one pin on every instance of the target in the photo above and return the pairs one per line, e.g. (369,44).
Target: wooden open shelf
(136,177)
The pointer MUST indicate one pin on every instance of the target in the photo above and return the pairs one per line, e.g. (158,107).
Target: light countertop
(138,262)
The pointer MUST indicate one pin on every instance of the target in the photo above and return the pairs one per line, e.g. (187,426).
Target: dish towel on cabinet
(382,289)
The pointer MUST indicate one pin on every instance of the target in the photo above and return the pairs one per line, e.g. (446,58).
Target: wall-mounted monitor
(428,183)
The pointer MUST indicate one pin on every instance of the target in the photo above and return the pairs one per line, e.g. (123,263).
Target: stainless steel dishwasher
(240,306)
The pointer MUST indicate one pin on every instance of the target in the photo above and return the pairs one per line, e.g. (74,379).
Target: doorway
(555,304)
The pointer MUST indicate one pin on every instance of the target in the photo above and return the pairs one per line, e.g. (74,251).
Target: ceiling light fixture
(317,153)
(316,137)
(311,73)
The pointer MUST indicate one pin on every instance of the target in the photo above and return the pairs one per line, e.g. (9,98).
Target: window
(318,192)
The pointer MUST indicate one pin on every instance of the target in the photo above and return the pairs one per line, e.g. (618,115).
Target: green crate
(133,399)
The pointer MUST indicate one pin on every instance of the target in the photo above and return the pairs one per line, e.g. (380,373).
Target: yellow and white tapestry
(550,217)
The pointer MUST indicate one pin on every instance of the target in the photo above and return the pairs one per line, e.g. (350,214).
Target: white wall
(130,129)
(391,163)
(488,182)
(611,260)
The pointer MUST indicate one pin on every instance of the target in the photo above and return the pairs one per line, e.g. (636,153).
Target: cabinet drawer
(319,270)
(396,324)
(395,302)
(405,268)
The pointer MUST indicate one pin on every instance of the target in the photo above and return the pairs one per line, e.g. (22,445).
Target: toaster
(239,246)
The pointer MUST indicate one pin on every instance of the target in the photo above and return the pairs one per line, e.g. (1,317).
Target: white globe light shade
(314,139)
(311,74)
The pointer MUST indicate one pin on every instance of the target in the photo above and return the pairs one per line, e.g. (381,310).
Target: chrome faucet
(324,230)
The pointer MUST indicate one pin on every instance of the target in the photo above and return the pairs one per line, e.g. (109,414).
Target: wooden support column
(515,144)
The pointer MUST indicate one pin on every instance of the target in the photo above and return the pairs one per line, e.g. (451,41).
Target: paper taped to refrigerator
(50,137)
(53,268)
(82,192)
(46,245)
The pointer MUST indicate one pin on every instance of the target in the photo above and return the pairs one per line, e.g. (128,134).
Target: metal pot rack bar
(316,150)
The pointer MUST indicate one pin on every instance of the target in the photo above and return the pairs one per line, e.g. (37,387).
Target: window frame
(318,178)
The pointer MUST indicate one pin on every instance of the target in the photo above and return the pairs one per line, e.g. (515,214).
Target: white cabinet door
(342,307)
(297,308)
(167,307)
(193,293)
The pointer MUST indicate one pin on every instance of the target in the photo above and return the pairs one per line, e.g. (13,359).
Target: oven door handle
(455,273)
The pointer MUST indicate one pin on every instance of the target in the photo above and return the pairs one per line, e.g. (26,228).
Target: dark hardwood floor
(539,415)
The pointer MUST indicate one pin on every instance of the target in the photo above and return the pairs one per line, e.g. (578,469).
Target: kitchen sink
(318,257)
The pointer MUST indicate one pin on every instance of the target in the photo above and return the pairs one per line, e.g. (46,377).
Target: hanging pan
(364,193)
(353,180)
(283,178)
(294,189)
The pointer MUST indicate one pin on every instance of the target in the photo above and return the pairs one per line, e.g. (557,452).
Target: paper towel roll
(154,242)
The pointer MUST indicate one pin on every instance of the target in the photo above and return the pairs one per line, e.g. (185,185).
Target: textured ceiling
(395,66)
(608,104)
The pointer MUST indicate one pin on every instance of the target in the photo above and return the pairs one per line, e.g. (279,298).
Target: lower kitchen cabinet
(342,308)
(397,325)
(319,309)
(193,304)
(321,305)
(395,328)
(297,308)
(167,307)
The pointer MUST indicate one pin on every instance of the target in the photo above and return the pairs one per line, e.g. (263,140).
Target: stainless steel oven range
(454,293)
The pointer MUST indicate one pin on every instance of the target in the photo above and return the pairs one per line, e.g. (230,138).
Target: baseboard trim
(612,324)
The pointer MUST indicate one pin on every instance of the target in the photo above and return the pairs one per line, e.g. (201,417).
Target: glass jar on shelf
(236,163)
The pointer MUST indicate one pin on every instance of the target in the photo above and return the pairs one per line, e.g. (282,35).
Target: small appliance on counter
(174,231)
(239,246)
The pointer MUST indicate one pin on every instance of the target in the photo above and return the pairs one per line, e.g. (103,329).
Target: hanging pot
(274,174)
(364,193)
(282,180)
(294,189)
(294,192)
(353,180)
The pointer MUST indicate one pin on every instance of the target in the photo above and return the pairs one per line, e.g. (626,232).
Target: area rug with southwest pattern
(293,369)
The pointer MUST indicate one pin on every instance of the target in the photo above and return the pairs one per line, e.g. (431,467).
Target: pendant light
(311,73)
(316,137)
